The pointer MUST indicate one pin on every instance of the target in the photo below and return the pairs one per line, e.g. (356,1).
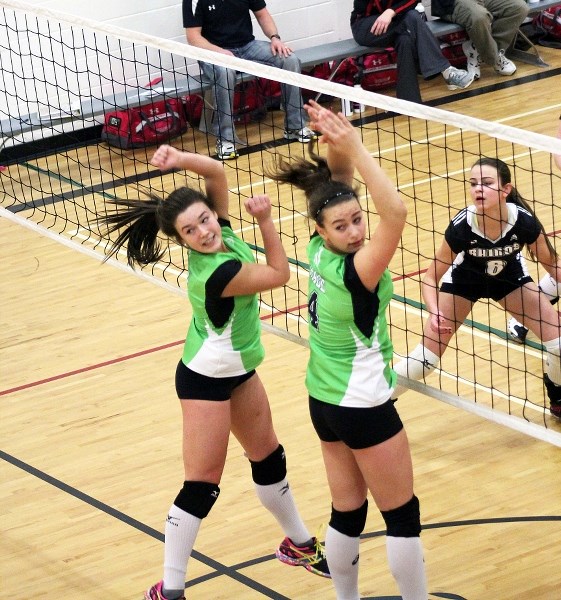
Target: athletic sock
(278,500)
(553,360)
(342,553)
(180,533)
(405,557)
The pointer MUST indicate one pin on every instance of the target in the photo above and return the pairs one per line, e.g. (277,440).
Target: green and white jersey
(224,337)
(350,348)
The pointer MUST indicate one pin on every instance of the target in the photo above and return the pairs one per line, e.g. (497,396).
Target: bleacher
(333,52)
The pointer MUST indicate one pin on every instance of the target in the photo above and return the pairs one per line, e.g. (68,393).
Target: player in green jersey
(220,391)
(349,377)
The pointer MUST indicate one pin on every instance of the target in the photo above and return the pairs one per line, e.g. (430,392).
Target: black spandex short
(357,427)
(473,286)
(190,385)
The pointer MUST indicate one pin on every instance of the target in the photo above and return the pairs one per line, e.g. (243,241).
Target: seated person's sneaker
(156,593)
(226,150)
(516,331)
(554,395)
(473,59)
(310,556)
(457,78)
(302,135)
(504,66)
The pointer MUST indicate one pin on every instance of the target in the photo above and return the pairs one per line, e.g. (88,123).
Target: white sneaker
(516,331)
(504,66)
(302,135)
(458,78)
(226,150)
(473,59)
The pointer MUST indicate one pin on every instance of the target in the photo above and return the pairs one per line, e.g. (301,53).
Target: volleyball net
(60,75)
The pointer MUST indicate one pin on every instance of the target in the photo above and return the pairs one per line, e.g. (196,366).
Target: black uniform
(485,268)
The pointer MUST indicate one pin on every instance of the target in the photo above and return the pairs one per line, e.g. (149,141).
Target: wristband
(275,35)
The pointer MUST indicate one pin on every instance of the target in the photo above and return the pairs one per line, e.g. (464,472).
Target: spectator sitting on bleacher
(226,27)
(386,23)
(491,26)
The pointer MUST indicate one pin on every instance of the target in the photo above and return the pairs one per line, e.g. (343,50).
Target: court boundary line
(233,571)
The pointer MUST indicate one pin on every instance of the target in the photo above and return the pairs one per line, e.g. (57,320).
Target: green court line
(407,301)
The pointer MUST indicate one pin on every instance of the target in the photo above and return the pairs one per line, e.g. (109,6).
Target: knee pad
(550,288)
(404,521)
(271,469)
(197,498)
(349,522)
(418,364)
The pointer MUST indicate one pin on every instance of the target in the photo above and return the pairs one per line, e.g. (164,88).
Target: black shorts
(190,385)
(474,286)
(357,427)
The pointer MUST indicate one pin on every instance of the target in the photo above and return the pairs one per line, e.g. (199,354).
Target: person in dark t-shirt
(480,257)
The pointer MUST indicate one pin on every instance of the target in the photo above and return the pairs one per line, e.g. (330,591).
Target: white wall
(302,23)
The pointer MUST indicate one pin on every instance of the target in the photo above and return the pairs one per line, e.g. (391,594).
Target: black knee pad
(350,522)
(197,497)
(271,469)
(404,521)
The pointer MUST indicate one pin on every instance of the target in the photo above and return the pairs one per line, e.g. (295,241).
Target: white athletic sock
(553,360)
(180,533)
(278,500)
(405,557)
(342,553)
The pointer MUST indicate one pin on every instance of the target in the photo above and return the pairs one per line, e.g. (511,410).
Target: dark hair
(514,196)
(314,178)
(141,220)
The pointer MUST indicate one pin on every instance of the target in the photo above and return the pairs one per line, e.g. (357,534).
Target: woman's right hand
(438,323)
(166,158)
(335,129)
(259,207)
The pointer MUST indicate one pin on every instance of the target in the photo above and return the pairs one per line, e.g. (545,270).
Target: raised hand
(166,158)
(259,207)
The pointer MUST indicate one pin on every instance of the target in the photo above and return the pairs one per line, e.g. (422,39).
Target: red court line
(171,344)
(91,367)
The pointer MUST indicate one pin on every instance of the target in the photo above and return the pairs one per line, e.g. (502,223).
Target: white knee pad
(417,365)
(550,287)
(553,360)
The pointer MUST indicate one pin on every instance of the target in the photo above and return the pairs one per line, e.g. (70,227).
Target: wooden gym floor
(91,446)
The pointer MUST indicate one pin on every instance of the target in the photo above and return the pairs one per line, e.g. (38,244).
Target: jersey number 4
(313,310)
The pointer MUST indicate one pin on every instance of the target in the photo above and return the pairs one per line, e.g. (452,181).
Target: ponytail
(140,221)
(313,177)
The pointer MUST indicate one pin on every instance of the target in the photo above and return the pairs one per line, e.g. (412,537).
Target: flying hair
(313,177)
(139,222)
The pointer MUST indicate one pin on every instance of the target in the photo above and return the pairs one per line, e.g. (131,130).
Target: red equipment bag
(193,107)
(145,125)
(548,26)
(379,70)
(249,103)
(345,72)
(451,48)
